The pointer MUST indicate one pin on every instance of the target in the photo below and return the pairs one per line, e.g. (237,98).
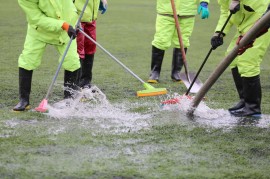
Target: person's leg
(156,63)
(72,66)
(25,80)
(252,97)
(70,83)
(177,64)
(238,81)
(29,60)
(80,42)
(165,27)
(80,48)
(249,68)
(186,27)
(90,50)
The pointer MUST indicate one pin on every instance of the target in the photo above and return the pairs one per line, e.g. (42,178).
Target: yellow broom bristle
(155,92)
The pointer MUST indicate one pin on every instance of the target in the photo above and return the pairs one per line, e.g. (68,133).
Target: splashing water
(92,105)
(218,118)
(91,111)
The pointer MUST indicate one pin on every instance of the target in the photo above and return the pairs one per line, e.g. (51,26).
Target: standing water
(93,108)
(92,111)
(218,118)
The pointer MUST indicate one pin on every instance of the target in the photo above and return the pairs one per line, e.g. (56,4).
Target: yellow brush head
(152,92)
(152,81)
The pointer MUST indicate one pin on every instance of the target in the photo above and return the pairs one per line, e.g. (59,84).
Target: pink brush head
(42,106)
(176,100)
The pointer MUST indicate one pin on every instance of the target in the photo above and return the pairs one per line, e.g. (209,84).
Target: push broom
(149,91)
(43,104)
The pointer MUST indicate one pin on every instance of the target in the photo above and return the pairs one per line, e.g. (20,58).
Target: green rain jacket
(91,11)
(183,7)
(250,11)
(46,17)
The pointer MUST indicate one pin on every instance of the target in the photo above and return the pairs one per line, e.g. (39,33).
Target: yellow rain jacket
(250,11)
(166,34)
(46,17)
(91,11)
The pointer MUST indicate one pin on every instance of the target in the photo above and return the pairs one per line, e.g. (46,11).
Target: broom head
(42,106)
(176,100)
(151,91)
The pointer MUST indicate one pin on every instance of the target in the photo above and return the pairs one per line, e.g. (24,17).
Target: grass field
(124,136)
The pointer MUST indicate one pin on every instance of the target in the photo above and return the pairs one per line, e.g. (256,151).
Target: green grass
(165,145)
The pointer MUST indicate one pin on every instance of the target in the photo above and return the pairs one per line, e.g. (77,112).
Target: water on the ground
(73,133)
(91,110)
(218,118)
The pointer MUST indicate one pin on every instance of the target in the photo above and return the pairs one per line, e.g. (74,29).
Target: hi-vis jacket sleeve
(224,14)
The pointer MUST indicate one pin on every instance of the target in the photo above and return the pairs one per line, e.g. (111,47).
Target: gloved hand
(103,5)
(70,30)
(243,49)
(203,8)
(216,40)
(250,44)
(234,6)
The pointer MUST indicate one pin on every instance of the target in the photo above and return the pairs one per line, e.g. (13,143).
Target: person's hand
(234,6)
(250,44)
(203,8)
(216,40)
(244,48)
(70,30)
(103,5)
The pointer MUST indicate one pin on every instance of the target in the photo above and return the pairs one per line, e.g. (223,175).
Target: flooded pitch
(91,110)
(90,133)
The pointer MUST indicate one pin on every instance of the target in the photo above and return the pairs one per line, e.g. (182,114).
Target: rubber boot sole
(28,107)
(177,81)
(152,81)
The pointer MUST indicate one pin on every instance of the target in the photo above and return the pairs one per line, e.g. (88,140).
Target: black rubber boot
(252,95)
(239,86)
(156,63)
(80,72)
(25,80)
(86,71)
(177,64)
(70,83)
